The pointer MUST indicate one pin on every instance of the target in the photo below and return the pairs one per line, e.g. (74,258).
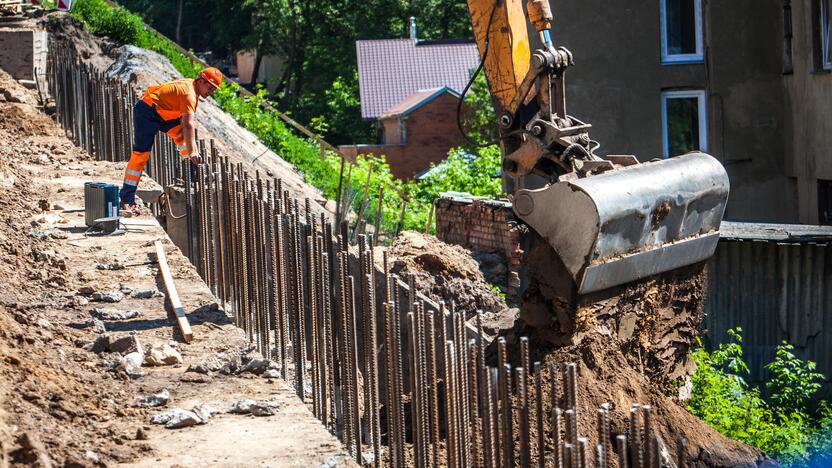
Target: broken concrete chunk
(162,355)
(131,364)
(255,365)
(264,408)
(146,293)
(108,296)
(127,344)
(242,407)
(225,363)
(107,313)
(256,408)
(110,266)
(96,325)
(177,418)
(157,399)
(204,412)
(272,374)
(47,234)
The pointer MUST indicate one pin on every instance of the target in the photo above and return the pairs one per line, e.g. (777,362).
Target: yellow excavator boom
(611,219)
(500,32)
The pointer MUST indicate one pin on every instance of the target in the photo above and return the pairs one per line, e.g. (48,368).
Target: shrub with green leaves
(783,426)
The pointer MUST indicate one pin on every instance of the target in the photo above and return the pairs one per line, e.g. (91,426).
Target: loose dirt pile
(445,272)
(631,343)
(653,321)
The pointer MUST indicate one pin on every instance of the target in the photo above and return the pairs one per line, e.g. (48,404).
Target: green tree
(480,122)
(343,113)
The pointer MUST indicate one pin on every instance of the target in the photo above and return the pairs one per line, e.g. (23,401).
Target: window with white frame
(681,25)
(825,45)
(684,122)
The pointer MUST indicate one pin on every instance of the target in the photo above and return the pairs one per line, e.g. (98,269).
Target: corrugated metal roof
(416,100)
(390,70)
(796,233)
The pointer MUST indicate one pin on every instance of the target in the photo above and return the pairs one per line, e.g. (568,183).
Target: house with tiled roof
(412,89)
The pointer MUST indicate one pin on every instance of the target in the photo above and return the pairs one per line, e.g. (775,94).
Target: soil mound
(15,121)
(444,271)
(631,345)
(67,31)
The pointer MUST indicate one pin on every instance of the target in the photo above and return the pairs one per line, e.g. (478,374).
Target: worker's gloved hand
(195,159)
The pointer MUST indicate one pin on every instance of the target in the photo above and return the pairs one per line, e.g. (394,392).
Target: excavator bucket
(633,222)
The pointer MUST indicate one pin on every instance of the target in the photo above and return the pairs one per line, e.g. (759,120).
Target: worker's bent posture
(167,108)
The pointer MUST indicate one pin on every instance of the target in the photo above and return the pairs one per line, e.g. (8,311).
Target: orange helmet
(211,75)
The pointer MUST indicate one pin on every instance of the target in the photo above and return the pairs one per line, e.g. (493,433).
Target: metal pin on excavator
(611,220)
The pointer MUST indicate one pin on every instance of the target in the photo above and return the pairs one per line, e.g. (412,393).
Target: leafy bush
(782,428)
(794,381)
(473,171)
(117,23)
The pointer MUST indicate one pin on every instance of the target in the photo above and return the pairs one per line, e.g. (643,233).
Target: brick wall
(481,225)
(429,133)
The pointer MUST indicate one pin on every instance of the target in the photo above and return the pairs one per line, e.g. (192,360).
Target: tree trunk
(179,24)
(255,72)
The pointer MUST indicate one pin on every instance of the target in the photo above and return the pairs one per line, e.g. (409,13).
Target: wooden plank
(170,289)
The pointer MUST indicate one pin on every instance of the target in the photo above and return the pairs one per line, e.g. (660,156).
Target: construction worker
(168,108)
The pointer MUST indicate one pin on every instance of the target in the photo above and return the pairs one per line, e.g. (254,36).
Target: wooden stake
(170,289)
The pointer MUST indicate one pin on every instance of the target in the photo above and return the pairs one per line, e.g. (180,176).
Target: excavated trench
(630,344)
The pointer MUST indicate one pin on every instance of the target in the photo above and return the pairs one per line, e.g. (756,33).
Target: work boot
(130,209)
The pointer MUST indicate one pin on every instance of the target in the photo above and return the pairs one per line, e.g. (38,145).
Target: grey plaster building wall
(809,105)
(619,77)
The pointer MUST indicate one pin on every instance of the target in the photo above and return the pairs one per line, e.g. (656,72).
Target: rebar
(284,275)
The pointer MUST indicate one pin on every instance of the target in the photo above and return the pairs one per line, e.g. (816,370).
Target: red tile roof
(391,70)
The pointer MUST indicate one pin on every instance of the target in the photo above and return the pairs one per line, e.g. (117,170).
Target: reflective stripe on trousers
(132,176)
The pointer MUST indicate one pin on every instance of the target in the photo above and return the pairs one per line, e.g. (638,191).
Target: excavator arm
(610,219)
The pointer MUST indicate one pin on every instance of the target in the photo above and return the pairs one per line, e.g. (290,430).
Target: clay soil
(64,405)
(444,272)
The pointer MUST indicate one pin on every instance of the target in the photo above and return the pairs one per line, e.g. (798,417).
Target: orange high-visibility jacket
(172,99)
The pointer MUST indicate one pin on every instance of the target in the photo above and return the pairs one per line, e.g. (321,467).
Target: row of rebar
(401,379)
